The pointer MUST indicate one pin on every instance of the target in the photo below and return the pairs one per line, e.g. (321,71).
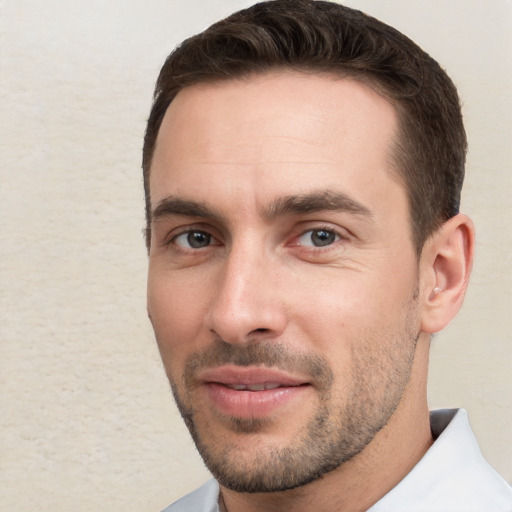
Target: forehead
(275,134)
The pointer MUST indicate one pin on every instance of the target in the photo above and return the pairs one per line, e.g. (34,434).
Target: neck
(361,482)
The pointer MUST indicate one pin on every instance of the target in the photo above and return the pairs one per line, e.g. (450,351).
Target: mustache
(259,353)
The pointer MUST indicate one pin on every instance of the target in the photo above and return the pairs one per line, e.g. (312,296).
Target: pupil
(197,239)
(322,237)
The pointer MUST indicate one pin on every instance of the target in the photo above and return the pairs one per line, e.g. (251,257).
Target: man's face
(282,279)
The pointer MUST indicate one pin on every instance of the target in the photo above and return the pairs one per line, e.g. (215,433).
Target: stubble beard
(333,436)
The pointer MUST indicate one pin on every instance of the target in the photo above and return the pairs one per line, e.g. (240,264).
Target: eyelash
(337,236)
(172,237)
(190,232)
(331,233)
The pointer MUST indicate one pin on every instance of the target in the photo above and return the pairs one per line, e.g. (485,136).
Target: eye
(193,239)
(318,238)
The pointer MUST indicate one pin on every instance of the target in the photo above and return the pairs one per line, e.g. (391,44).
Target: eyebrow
(171,206)
(288,205)
(315,202)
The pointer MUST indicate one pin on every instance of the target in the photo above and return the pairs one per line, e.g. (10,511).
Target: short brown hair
(325,37)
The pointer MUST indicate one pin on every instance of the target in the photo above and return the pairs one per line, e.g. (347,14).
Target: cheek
(176,313)
(346,309)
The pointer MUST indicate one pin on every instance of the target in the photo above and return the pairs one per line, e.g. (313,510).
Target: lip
(245,403)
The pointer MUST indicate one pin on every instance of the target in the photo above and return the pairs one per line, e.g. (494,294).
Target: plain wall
(87,419)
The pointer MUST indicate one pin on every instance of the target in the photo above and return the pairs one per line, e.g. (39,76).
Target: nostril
(259,331)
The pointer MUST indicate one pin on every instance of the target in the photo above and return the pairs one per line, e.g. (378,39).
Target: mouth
(251,392)
(253,387)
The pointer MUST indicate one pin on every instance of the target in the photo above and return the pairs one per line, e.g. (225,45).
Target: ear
(445,266)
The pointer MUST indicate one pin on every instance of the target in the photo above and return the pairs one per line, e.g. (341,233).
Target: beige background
(87,420)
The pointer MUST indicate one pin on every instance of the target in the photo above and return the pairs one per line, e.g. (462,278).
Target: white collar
(452,476)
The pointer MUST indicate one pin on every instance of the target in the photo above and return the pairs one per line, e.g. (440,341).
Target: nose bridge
(246,300)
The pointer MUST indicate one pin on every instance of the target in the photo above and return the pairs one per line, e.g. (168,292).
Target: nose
(247,303)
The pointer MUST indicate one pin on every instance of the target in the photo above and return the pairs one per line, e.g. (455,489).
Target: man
(303,165)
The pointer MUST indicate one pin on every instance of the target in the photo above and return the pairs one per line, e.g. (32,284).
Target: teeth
(257,387)
(253,387)
(271,385)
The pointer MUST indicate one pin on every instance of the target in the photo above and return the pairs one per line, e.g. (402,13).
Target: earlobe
(446,263)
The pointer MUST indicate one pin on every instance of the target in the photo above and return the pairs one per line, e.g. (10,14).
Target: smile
(252,392)
(253,387)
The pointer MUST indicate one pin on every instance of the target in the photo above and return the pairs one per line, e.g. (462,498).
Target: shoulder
(203,499)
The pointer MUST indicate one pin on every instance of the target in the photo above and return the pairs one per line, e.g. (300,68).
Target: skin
(281,239)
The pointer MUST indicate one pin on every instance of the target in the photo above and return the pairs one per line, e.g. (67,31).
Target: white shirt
(452,476)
